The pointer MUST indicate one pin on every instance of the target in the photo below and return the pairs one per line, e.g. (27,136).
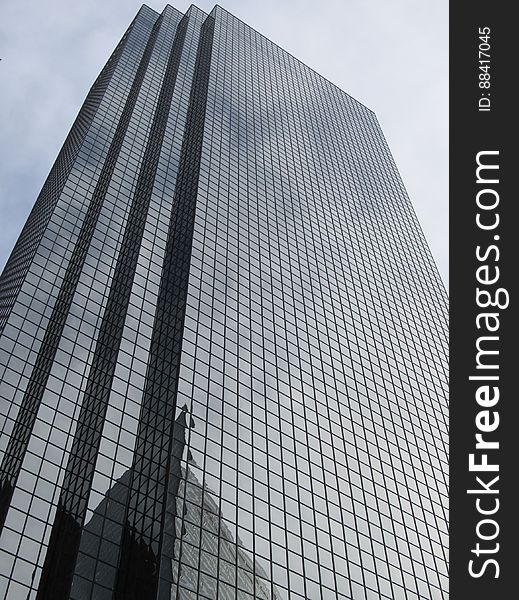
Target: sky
(392,55)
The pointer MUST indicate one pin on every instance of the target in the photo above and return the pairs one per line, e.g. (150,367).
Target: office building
(223,342)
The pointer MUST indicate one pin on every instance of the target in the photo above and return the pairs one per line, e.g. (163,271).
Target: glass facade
(224,342)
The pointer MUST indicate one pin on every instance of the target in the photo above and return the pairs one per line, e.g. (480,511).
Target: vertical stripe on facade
(66,532)
(26,417)
(139,566)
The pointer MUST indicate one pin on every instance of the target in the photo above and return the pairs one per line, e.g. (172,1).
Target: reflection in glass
(196,539)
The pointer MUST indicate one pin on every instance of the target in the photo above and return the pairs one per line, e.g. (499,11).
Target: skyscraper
(223,341)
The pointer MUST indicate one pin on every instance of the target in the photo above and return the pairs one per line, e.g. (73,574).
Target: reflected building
(201,525)
(224,342)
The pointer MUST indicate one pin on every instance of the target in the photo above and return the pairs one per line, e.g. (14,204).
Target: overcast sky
(392,55)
